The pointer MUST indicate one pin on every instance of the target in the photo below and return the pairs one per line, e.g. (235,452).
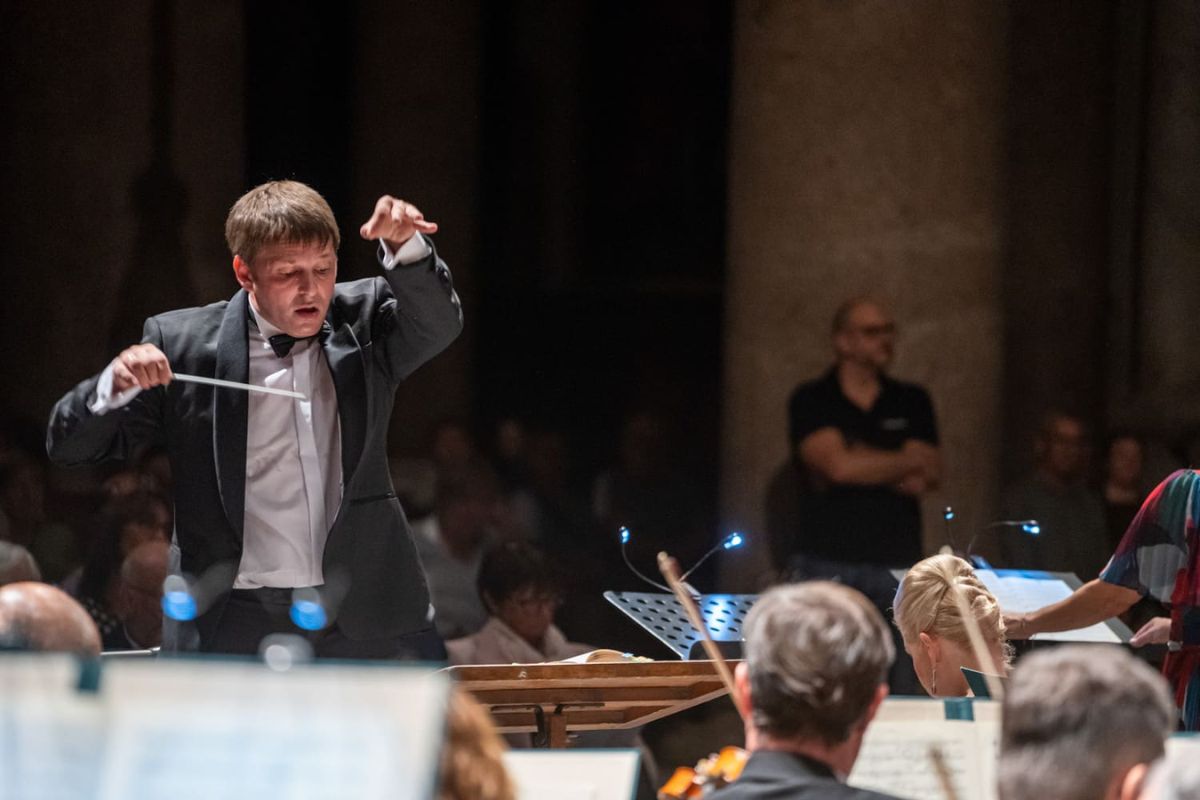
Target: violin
(722,768)
(709,774)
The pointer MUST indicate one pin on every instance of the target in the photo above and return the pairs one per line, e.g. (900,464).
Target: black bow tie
(282,343)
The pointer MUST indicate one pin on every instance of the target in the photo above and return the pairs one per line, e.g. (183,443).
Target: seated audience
(520,589)
(932,627)
(1069,512)
(451,543)
(137,604)
(815,671)
(124,524)
(16,564)
(39,617)
(1122,487)
(1081,723)
(472,761)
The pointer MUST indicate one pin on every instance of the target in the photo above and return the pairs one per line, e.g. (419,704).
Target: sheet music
(1019,593)
(609,774)
(895,759)
(208,729)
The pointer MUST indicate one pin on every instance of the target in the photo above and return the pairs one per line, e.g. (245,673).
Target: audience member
(451,543)
(934,631)
(1070,514)
(472,760)
(645,491)
(23,504)
(1122,487)
(509,445)
(1081,723)
(520,588)
(452,447)
(815,670)
(37,616)
(137,602)
(17,564)
(124,524)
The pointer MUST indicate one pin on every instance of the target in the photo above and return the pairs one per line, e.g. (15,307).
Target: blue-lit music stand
(663,617)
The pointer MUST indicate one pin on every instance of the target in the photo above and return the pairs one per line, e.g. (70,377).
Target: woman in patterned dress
(1158,557)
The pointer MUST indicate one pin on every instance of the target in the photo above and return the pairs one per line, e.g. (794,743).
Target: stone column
(866,147)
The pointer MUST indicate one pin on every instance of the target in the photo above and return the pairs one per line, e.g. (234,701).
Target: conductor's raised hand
(142,365)
(395,221)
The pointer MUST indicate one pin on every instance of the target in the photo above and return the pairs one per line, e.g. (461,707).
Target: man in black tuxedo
(285,517)
(815,671)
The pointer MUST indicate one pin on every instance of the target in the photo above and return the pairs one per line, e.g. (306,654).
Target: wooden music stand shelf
(555,699)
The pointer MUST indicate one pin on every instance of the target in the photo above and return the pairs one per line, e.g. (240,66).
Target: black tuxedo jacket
(774,775)
(382,329)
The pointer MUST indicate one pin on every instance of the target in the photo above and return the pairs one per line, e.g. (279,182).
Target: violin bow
(991,670)
(669,568)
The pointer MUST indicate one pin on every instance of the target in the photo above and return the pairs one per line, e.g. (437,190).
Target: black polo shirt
(860,524)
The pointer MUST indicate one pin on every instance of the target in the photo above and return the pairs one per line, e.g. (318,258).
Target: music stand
(555,699)
(663,617)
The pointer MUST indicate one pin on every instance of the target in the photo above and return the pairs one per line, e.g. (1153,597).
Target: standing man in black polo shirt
(866,447)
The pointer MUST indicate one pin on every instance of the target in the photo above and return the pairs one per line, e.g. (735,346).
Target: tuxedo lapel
(230,409)
(346,363)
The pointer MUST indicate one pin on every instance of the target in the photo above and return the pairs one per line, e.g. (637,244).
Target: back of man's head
(37,616)
(816,654)
(1076,720)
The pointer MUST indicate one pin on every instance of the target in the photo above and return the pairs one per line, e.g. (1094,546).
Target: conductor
(285,517)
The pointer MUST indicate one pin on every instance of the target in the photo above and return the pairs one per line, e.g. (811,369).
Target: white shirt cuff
(410,252)
(104,401)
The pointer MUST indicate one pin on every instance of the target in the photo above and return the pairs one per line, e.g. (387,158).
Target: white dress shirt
(293,452)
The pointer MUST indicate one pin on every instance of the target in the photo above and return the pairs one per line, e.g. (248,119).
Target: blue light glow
(1032,528)
(948,514)
(308,615)
(733,540)
(179,605)
(624,535)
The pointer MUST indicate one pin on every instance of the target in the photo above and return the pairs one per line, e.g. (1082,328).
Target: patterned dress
(1159,557)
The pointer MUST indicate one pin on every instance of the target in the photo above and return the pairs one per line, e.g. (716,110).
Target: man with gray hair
(815,671)
(1081,722)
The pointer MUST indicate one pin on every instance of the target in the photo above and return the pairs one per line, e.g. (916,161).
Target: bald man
(138,601)
(866,447)
(37,616)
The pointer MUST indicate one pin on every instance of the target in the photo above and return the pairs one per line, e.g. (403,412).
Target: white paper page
(51,736)
(911,709)
(184,730)
(895,760)
(558,774)
(1019,594)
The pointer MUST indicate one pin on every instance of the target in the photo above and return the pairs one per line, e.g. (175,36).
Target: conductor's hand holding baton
(142,366)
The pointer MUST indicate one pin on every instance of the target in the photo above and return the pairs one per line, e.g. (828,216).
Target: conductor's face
(290,284)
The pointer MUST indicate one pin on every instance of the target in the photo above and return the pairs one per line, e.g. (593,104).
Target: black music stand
(664,618)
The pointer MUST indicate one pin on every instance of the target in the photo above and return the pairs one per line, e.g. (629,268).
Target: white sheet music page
(1020,593)
(895,760)
(51,735)
(204,729)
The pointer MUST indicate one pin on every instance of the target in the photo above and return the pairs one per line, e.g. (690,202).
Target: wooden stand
(555,699)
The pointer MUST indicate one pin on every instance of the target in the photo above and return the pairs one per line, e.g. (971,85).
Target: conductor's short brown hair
(279,212)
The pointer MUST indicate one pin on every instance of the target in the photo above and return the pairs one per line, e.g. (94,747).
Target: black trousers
(250,615)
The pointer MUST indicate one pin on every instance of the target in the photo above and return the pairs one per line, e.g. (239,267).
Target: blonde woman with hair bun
(932,626)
